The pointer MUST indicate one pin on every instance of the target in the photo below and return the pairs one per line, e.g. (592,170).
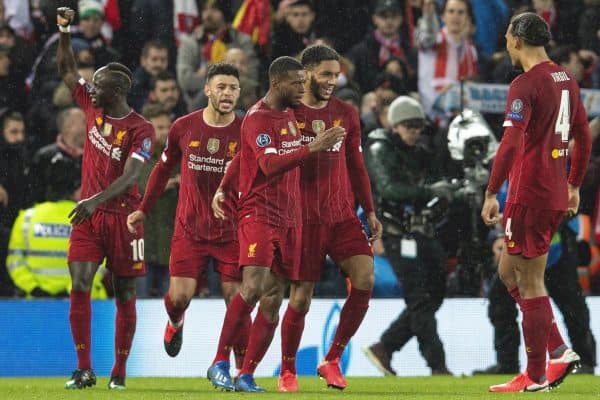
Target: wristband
(64,29)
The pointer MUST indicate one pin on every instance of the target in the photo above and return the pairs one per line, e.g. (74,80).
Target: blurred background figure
(37,250)
(51,161)
(447,54)
(154,60)
(158,226)
(402,173)
(14,185)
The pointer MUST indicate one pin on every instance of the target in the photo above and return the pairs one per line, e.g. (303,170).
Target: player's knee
(82,282)
(269,305)
(364,278)
(180,300)
(300,303)
(81,285)
(250,291)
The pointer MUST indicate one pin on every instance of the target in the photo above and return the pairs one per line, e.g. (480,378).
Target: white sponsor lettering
(116,154)
(560,76)
(98,141)
(206,164)
(293,143)
(336,147)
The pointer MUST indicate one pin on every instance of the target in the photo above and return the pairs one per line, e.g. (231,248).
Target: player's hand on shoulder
(327,139)
(216,204)
(134,220)
(64,16)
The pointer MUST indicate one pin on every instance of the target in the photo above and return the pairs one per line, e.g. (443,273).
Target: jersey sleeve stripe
(138,157)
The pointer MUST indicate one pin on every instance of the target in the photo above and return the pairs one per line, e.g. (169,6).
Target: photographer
(401,170)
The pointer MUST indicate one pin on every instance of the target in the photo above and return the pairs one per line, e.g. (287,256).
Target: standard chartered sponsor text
(206,164)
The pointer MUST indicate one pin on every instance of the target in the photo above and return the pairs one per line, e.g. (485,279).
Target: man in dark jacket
(52,160)
(385,42)
(13,185)
(402,172)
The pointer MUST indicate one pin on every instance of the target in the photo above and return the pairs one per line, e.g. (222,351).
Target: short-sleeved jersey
(324,182)
(109,143)
(204,152)
(543,103)
(273,200)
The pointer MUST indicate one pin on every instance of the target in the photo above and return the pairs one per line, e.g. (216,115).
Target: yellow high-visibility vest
(37,250)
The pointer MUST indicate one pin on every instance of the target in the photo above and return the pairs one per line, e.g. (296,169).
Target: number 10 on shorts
(137,245)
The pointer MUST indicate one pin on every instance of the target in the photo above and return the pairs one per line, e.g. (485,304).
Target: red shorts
(528,231)
(189,258)
(341,241)
(106,235)
(271,246)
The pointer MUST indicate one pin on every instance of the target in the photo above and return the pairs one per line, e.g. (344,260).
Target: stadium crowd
(390,48)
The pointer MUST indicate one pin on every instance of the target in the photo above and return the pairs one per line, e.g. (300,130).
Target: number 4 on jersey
(563,125)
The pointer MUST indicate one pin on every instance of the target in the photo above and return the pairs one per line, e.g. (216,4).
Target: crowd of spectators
(390,48)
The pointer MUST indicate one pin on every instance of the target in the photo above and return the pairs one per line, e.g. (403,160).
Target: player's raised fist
(64,16)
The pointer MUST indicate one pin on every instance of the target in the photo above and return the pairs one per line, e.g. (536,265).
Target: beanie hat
(90,8)
(404,108)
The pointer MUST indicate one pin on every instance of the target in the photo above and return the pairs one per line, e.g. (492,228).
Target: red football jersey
(204,152)
(544,103)
(273,200)
(324,184)
(109,143)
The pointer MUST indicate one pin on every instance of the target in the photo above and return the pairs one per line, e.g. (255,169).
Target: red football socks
(292,327)
(237,313)
(241,342)
(80,317)
(537,321)
(175,313)
(556,344)
(261,336)
(351,317)
(126,321)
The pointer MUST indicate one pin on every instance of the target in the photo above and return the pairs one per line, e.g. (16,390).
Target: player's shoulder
(138,121)
(340,104)
(189,119)
(258,113)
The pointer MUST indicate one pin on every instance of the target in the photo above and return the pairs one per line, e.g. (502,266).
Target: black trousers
(563,287)
(424,282)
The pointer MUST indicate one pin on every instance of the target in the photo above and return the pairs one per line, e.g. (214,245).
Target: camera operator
(401,170)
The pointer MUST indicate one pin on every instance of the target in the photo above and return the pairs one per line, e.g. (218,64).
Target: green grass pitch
(438,388)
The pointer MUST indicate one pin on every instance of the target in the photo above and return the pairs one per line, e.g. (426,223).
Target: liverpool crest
(213,145)
(318,126)
(231,149)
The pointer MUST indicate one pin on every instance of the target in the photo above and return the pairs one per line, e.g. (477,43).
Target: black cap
(308,3)
(387,5)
